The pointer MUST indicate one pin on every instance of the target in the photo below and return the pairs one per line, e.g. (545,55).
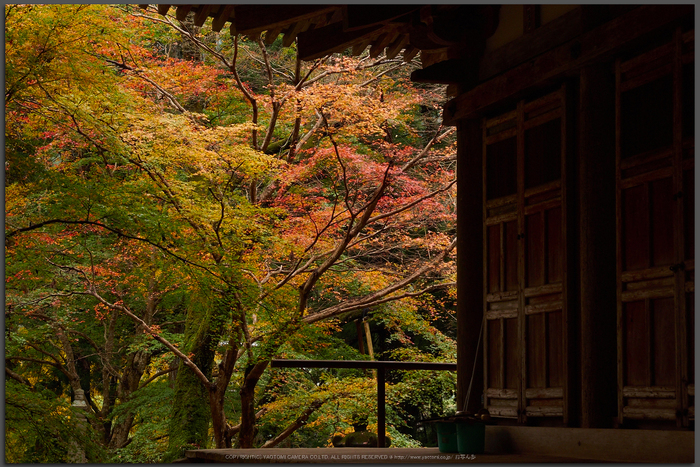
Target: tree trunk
(192,411)
(129,383)
(133,371)
(218,393)
(190,416)
(247,433)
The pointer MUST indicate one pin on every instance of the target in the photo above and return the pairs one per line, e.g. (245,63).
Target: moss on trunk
(191,413)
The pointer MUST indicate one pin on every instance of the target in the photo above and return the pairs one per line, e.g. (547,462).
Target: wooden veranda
(504,445)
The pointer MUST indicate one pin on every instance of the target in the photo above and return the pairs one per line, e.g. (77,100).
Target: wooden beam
(290,34)
(531,18)
(409,52)
(202,14)
(322,41)
(363,364)
(182,11)
(454,71)
(380,43)
(222,17)
(546,37)
(360,47)
(358,17)
(272,34)
(163,9)
(396,46)
(252,18)
(588,48)
(554,33)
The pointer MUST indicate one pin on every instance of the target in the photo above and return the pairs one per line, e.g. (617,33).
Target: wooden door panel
(635,228)
(536,351)
(555,349)
(545,366)
(512,361)
(656,227)
(647,117)
(690,362)
(689,211)
(543,233)
(543,153)
(501,175)
(510,260)
(664,342)
(688,101)
(661,219)
(555,246)
(690,333)
(534,250)
(501,393)
(636,344)
(493,261)
(524,287)
(494,357)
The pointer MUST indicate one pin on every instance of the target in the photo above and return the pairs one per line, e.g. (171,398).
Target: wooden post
(470,284)
(370,349)
(380,367)
(360,342)
(381,409)
(597,257)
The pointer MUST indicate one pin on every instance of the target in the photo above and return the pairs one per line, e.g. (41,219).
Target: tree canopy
(183,206)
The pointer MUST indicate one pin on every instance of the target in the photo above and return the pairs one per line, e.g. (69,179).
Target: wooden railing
(380,366)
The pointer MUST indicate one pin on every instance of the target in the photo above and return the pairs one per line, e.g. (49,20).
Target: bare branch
(156,376)
(305,138)
(232,430)
(377,77)
(436,139)
(413,203)
(298,423)
(119,232)
(380,296)
(153,333)
(58,366)
(18,377)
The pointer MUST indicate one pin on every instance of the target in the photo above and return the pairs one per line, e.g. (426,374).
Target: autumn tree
(177,219)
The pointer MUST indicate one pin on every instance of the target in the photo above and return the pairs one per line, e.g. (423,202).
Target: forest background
(182,206)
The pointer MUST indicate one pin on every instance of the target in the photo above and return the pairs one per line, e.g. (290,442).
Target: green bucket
(471,437)
(447,436)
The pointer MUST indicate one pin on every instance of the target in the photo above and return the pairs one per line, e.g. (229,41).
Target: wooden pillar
(596,202)
(470,283)
(360,333)
(381,408)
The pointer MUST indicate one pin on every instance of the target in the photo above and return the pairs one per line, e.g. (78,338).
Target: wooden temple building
(576,200)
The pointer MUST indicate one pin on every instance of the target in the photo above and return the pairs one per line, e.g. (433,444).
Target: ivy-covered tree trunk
(191,413)
(190,416)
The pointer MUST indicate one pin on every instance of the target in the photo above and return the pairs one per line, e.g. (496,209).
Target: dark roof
(438,32)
